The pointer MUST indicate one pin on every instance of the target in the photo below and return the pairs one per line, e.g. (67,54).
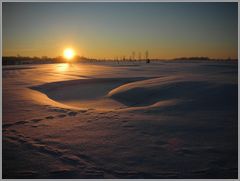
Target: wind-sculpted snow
(199,93)
(193,91)
(162,120)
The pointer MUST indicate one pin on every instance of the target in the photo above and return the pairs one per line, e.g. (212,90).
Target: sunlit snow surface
(132,120)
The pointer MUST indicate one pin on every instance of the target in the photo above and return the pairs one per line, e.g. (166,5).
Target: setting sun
(68,53)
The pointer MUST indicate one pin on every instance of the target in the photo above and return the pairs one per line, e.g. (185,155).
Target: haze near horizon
(109,30)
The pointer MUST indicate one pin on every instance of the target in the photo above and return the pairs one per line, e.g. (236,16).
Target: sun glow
(69,53)
(63,67)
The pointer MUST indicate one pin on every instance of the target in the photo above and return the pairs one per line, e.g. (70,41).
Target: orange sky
(110,30)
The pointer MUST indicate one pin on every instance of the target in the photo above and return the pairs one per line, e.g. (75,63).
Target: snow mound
(198,92)
(84,93)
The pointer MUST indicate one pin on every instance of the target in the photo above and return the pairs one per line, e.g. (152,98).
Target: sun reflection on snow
(62,67)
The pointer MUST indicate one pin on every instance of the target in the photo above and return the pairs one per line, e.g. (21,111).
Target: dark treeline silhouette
(28,60)
(19,60)
(192,58)
(202,59)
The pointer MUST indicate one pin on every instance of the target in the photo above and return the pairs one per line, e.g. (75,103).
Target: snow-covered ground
(132,120)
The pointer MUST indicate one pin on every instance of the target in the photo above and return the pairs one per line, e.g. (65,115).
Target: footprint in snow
(61,115)
(36,120)
(72,113)
(21,122)
(49,117)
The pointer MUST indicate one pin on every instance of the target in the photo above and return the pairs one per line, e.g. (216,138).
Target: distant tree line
(204,58)
(19,60)
(192,58)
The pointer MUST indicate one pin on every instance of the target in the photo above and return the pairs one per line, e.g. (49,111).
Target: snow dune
(143,93)
(90,93)
(196,92)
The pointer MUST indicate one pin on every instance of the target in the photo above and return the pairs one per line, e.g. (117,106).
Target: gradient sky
(108,30)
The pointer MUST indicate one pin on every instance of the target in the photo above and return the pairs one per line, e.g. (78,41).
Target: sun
(68,53)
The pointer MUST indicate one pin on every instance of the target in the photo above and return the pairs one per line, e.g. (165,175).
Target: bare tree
(139,56)
(133,55)
(147,59)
